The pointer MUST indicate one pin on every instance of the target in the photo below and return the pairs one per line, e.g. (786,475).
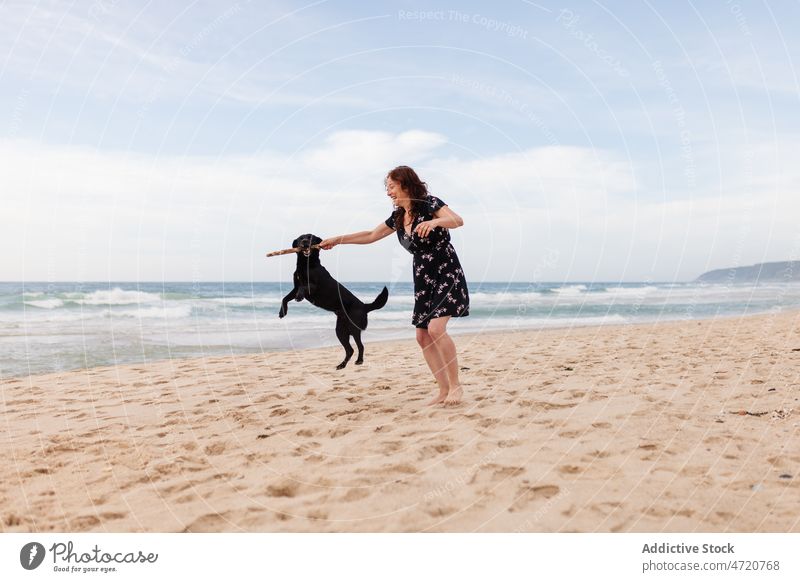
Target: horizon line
(649,281)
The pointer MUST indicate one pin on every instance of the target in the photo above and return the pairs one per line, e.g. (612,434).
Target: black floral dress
(440,287)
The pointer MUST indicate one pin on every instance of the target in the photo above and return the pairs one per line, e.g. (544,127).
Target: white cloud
(542,177)
(352,152)
(161,53)
(77,213)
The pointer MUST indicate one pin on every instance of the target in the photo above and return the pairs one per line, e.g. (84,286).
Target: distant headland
(784,271)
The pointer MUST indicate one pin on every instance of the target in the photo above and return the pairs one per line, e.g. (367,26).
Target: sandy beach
(682,426)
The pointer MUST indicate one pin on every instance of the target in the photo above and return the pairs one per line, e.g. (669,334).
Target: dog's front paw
(282,312)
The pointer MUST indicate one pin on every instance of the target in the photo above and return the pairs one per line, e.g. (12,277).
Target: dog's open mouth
(306,252)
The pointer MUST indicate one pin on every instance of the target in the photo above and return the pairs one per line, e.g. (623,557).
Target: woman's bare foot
(454,396)
(440,398)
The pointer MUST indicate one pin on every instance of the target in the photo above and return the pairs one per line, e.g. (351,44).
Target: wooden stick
(288,251)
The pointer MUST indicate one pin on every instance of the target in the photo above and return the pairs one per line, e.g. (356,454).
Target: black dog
(313,282)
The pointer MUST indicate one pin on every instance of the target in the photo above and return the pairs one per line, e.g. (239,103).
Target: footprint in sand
(606,508)
(429,451)
(338,432)
(283,489)
(694,471)
(13,520)
(554,405)
(589,457)
(399,468)
(317,515)
(211,522)
(501,473)
(215,449)
(356,494)
(507,444)
(440,511)
(391,446)
(177,487)
(528,494)
(85,522)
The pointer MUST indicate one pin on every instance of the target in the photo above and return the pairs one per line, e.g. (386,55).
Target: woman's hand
(329,243)
(424,228)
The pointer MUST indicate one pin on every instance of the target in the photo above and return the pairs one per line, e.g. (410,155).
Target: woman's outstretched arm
(364,237)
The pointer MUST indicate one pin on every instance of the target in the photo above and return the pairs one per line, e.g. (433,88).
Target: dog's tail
(379,302)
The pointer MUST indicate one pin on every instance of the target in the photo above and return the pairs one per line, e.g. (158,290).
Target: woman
(440,289)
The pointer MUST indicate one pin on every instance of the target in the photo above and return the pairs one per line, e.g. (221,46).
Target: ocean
(51,327)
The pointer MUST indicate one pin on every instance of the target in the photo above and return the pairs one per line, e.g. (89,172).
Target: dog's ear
(295,243)
(315,239)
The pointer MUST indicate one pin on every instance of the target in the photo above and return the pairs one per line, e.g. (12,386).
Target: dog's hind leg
(344,336)
(357,337)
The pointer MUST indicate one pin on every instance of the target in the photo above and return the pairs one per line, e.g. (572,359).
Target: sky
(580,141)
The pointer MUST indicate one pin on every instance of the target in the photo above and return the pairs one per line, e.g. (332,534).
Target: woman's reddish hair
(416,188)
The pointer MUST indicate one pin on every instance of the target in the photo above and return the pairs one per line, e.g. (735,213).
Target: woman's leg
(437,330)
(435,363)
